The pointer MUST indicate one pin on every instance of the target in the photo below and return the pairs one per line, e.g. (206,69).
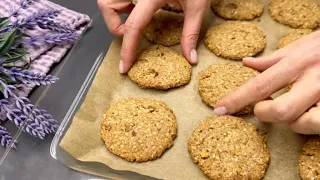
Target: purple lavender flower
(29,77)
(51,39)
(44,21)
(38,122)
(60,39)
(18,117)
(6,138)
(24,4)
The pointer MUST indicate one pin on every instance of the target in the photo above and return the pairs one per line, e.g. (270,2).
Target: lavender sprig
(36,122)
(53,26)
(29,77)
(51,39)
(23,4)
(31,21)
(6,138)
(44,21)
(19,117)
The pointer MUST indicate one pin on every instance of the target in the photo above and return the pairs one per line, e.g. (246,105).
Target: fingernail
(121,67)
(249,58)
(193,56)
(220,110)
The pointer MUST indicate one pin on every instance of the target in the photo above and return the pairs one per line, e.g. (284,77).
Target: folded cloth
(44,57)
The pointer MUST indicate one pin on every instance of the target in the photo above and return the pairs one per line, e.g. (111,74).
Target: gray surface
(32,160)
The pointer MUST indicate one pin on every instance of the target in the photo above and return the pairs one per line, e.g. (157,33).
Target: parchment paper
(83,141)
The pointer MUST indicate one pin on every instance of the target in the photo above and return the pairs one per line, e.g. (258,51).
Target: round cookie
(292,36)
(237,9)
(139,129)
(165,28)
(296,13)
(160,67)
(235,40)
(220,79)
(227,147)
(309,165)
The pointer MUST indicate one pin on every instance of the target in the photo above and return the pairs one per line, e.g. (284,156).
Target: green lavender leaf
(4,22)
(7,41)
(14,58)
(14,55)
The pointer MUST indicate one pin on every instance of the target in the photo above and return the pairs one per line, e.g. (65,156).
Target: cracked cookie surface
(227,147)
(160,67)
(221,79)
(296,13)
(309,165)
(165,28)
(139,129)
(293,35)
(235,40)
(237,9)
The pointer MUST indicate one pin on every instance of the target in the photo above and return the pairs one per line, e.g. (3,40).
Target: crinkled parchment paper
(83,141)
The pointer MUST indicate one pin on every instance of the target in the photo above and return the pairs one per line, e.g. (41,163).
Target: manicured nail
(220,110)
(249,58)
(193,56)
(121,67)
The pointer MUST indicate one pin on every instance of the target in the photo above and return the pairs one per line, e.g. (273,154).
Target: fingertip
(220,111)
(121,67)
(193,57)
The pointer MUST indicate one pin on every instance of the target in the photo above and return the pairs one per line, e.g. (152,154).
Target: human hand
(297,63)
(141,15)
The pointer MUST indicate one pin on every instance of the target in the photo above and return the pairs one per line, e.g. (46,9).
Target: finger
(194,13)
(111,15)
(308,123)
(138,19)
(290,106)
(259,88)
(263,63)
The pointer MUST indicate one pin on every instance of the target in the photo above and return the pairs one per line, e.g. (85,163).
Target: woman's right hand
(297,64)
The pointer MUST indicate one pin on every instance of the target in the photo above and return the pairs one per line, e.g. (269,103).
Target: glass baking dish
(64,103)
(75,73)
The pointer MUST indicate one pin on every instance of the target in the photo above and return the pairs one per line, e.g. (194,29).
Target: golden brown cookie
(292,36)
(237,9)
(220,79)
(165,28)
(296,13)
(227,147)
(310,160)
(160,67)
(235,39)
(139,129)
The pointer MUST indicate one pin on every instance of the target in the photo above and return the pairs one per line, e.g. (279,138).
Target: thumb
(194,12)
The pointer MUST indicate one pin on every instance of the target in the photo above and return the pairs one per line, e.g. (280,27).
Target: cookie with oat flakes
(139,129)
(309,165)
(165,28)
(160,67)
(237,9)
(292,36)
(219,80)
(296,13)
(235,39)
(227,147)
